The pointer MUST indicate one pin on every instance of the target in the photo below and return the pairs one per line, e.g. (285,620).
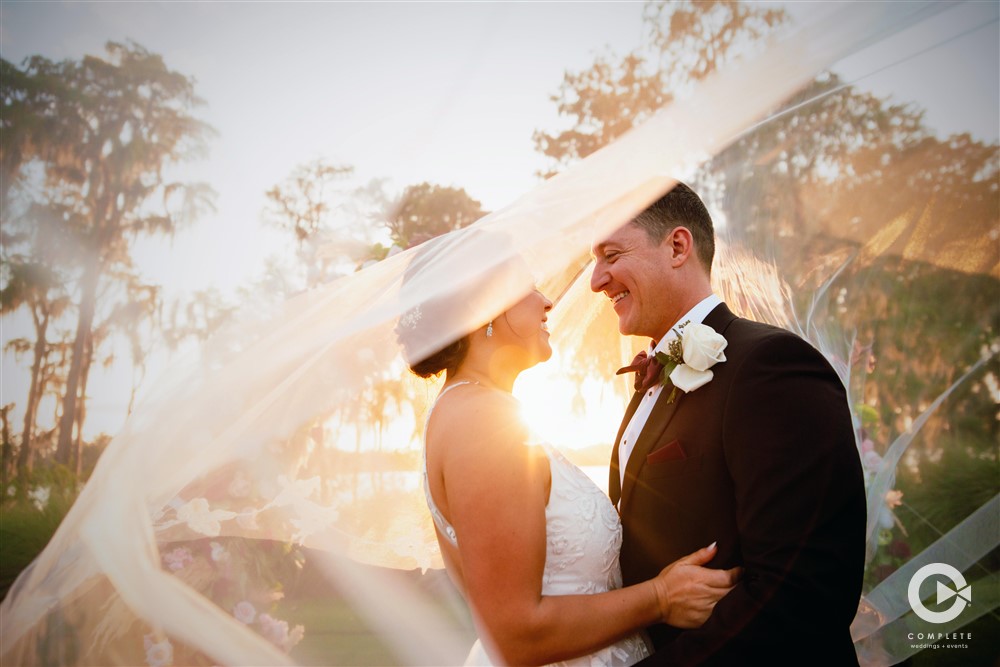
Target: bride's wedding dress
(583,535)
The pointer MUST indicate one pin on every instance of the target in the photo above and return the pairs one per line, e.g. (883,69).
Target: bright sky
(443,92)
(446,93)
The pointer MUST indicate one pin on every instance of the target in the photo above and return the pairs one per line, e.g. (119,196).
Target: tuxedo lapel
(661,415)
(614,474)
(719,319)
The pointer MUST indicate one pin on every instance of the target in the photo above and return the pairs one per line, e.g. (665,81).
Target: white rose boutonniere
(689,358)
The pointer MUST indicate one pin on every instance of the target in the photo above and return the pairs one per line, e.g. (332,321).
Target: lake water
(411,480)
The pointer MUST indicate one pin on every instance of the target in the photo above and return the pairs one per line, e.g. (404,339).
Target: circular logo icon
(961,591)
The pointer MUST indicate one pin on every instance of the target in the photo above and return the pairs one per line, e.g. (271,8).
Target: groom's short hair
(681,207)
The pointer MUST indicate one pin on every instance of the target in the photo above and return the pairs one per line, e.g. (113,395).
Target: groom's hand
(687,592)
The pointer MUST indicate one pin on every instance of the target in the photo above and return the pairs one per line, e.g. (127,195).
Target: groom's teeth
(618,297)
(545,326)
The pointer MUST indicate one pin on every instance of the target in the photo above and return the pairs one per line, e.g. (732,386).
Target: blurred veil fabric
(280,460)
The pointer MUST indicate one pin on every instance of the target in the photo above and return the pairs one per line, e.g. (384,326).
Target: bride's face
(527,323)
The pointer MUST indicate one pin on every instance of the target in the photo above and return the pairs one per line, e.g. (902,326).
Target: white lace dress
(583,537)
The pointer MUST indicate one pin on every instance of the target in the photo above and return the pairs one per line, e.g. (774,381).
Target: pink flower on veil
(219,553)
(240,486)
(158,653)
(276,631)
(178,559)
(245,612)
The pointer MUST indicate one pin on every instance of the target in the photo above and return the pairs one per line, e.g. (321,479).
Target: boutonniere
(689,357)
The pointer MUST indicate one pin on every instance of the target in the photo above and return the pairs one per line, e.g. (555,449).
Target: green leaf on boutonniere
(667,359)
(668,367)
(669,363)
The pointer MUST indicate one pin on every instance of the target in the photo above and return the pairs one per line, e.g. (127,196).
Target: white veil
(277,463)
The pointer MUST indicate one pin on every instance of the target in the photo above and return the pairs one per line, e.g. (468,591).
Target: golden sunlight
(581,419)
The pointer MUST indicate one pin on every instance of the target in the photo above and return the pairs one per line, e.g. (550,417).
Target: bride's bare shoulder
(482,445)
(473,407)
(478,414)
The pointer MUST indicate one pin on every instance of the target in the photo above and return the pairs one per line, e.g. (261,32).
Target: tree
(131,312)
(798,152)
(828,138)
(835,173)
(36,254)
(329,219)
(6,447)
(30,123)
(685,42)
(197,318)
(424,211)
(109,129)
(302,203)
(30,285)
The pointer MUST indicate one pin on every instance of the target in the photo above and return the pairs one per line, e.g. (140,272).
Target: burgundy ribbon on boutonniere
(648,371)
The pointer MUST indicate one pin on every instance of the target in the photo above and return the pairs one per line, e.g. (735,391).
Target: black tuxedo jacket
(762,460)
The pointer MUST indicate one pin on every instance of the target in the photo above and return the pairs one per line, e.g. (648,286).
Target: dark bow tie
(647,371)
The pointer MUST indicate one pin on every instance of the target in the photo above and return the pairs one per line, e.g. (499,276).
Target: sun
(565,414)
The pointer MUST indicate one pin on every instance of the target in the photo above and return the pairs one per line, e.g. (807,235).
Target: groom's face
(635,274)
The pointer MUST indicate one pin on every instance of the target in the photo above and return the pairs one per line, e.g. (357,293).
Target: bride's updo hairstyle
(434,334)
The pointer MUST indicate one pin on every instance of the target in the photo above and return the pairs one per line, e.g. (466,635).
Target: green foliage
(27,525)
(925,326)
(949,487)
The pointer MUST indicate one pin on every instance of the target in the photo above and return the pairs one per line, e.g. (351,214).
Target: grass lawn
(336,634)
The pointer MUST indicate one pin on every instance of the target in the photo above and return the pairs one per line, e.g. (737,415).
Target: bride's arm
(497,490)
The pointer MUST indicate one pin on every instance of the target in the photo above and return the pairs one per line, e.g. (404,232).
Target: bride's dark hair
(420,326)
(448,358)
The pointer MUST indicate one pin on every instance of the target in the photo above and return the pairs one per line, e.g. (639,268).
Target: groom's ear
(680,244)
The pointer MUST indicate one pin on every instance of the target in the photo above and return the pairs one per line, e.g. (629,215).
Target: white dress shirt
(645,408)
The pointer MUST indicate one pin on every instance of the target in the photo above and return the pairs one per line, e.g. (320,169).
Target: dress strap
(442,524)
(449,388)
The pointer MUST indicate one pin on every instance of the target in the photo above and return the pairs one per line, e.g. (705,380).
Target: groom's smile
(631,270)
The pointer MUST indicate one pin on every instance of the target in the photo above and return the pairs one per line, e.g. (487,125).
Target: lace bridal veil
(262,506)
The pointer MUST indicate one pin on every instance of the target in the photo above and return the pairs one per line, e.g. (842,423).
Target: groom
(759,458)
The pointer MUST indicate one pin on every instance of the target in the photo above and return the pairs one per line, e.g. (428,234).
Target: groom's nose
(599,278)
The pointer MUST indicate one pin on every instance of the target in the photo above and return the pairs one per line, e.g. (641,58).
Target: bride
(527,537)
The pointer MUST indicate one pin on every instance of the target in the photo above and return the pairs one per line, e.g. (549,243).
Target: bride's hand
(687,592)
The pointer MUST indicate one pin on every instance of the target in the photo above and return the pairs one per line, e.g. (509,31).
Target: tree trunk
(81,410)
(88,302)
(6,450)
(26,457)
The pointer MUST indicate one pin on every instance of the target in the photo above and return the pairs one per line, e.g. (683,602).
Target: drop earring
(489,329)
